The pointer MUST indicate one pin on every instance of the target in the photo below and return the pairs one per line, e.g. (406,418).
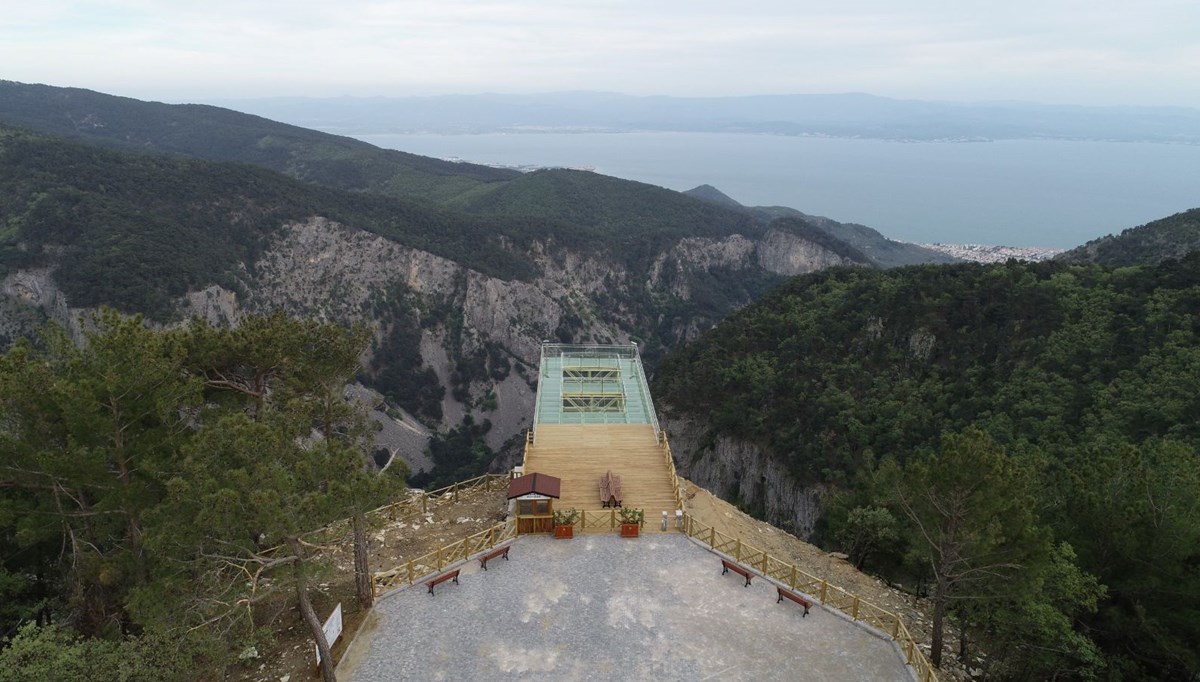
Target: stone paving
(599,606)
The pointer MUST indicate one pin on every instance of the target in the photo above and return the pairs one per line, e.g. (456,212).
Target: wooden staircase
(579,454)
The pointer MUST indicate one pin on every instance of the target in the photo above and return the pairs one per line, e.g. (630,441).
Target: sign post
(333,630)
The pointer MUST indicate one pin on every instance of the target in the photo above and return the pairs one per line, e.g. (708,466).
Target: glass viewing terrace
(582,384)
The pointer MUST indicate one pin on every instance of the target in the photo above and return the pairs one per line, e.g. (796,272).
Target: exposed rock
(786,254)
(736,470)
(320,269)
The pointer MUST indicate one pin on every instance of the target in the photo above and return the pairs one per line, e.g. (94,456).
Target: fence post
(895,626)
(456,492)
(424,503)
(792,580)
(712,537)
(582,520)
(854,612)
(411,578)
(439,558)
(766,557)
(737,551)
(824,589)
(487,483)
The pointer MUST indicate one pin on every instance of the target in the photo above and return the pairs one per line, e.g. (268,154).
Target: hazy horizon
(1060,52)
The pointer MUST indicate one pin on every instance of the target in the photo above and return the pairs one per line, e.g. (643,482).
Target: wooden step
(580,453)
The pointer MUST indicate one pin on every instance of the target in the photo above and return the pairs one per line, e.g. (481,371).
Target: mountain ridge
(1167,238)
(868,242)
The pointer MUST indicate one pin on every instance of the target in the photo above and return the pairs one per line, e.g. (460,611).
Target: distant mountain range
(833,115)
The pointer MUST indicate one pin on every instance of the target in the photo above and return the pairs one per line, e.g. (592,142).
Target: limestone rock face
(453,315)
(786,254)
(737,470)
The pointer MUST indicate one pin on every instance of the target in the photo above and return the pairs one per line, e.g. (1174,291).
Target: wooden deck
(581,453)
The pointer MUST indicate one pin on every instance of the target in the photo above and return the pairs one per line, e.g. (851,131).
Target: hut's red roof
(538,484)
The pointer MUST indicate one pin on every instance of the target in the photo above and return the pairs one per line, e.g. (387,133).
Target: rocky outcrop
(786,254)
(742,473)
(453,315)
(26,290)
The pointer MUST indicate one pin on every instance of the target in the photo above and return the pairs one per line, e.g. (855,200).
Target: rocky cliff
(742,473)
(467,341)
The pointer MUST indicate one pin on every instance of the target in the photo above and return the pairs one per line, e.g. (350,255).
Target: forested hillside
(873,246)
(136,231)
(1171,237)
(218,134)
(1068,388)
(455,300)
(157,486)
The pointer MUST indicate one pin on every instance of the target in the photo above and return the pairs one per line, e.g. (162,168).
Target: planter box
(565,532)
(629,530)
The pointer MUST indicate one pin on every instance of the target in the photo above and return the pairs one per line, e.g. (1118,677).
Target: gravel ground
(656,607)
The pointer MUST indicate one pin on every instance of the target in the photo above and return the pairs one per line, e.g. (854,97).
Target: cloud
(1093,52)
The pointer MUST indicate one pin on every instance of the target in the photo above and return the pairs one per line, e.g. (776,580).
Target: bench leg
(724,569)
(456,580)
(780,599)
(483,562)
(747,582)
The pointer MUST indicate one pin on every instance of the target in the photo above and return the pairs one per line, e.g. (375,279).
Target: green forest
(157,486)
(1017,441)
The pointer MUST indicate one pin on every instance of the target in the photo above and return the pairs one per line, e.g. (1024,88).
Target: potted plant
(631,521)
(564,523)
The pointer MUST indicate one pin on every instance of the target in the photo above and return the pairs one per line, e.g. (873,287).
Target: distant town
(983,253)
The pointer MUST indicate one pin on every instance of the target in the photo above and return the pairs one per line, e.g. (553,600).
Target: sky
(1096,52)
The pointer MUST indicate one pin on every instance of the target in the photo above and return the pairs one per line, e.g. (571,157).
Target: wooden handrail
(411,571)
(485,481)
(829,595)
(676,488)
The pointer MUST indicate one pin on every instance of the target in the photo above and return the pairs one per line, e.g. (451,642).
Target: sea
(1032,193)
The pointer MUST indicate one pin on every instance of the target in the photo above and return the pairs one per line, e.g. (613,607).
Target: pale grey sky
(1055,51)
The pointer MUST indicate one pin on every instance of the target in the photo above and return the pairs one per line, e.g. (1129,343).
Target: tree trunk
(306,610)
(937,638)
(362,569)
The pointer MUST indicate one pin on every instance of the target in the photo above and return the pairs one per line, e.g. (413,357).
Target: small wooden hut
(535,495)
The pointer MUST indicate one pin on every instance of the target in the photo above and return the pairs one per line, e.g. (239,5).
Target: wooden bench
(727,566)
(448,575)
(610,490)
(794,597)
(499,551)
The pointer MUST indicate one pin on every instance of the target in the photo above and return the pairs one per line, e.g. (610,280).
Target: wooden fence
(412,571)
(829,595)
(418,503)
(675,485)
